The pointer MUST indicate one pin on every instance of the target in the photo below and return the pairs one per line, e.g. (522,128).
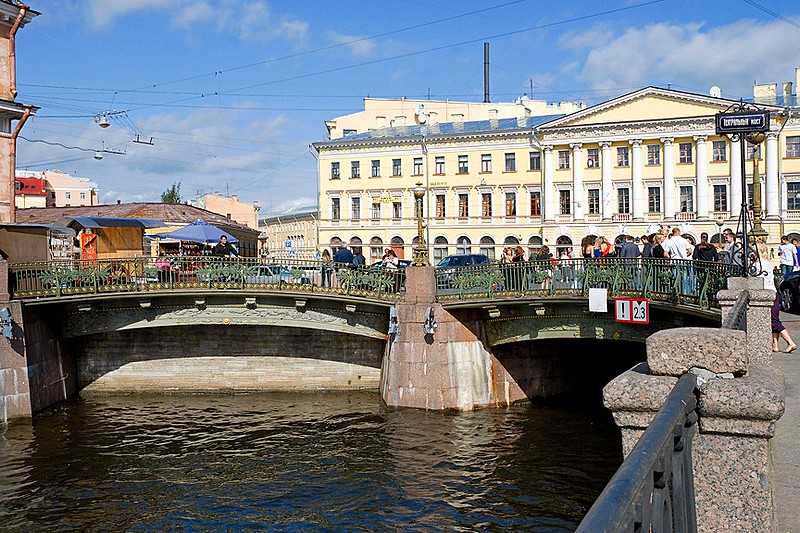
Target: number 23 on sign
(632,310)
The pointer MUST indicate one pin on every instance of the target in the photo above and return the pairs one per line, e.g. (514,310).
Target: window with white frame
(536,204)
(720,197)
(592,157)
(623,200)
(336,209)
(376,168)
(376,210)
(684,152)
(719,151)
(355,169)
(623,156)
(440,205)
(463,164)
(654,199)
(335,170)
(793,195)
(563,159)
(511,162)
(511,204)
(397,167)
(439,165)
(486,204)
(463,204)
(653,154)
(397,210)
(565,201)
(594,201)
(417,167)
(686,199)
(486,162)
(793,146)
(535,161)
(355,204)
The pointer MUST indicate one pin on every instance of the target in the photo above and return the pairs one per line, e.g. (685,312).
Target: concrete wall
(225,358)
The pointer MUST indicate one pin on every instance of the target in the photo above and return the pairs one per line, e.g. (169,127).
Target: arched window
(563,245)
(487,247)
(375,249)
(355,241)
(335,243)
(439,249)
(534,245)
(464,245)
(510,241)
(398,245)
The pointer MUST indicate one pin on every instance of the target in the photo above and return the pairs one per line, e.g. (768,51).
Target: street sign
(742,122)
(288,244)
(291,253)
(632,310)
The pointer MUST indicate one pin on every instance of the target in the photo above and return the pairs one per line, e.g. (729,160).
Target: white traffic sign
(632,310)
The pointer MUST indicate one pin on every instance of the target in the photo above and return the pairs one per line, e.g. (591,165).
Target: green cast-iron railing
(677,281)
(54,279)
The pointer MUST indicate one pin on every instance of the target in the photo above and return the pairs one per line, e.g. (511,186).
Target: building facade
(290,236)
(229,207)
(631,165)
(30,192)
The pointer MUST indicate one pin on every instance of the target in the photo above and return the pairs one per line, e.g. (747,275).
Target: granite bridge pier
(434,339)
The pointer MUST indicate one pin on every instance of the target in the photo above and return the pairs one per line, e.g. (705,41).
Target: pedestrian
(796,244)
(647,245)
(778,329)
(507,256)
(677,246)
(519,254)
(390,260)
(787,255)
(587,246)
(358,258)
(327,268)
(343,255)
(223,248)
(705,251)
(605,248)
(629,249)
(658,251)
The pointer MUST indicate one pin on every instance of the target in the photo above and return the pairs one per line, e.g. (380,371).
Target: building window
(793,195)
(83,197)
(511,204)
(685,152)
(750,149)
(623,200)
(720,197)
(563,159)
(463,164)
(535,161)
(440,198)
(622,156)
(654,199)
(336,211)
(397,168)
(335,170)
(720,151)
(653,154)
(439,249)
(376,168)
(417,166)
(397,210)
(565,201)
(536,204)
(463,205)
(376,210)
(355,169)
(486,162)
(486,204)
(687,199)
(356,208)
(439,165)
(68,195)
(592,158)
(349,132)
(511,162)
(750,196)
(793,146)
(594,201)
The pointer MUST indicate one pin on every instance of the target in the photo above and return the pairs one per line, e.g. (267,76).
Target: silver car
(274,275)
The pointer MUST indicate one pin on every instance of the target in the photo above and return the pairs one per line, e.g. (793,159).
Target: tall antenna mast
(485,73)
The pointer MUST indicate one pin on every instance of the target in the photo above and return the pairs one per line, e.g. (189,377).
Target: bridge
(426,338)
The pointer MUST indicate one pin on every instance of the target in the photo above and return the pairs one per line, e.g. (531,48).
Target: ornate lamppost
(756,139)
(421,249)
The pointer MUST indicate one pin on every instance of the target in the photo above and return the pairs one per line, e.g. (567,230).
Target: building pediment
(651,104)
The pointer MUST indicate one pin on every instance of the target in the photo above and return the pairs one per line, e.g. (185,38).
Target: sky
(227,95)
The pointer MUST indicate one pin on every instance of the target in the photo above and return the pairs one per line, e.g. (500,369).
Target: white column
(736,179)
(607,193)
(577,181)
(548,190)
(702,176)
(637,190)
(669,177)
(772,184)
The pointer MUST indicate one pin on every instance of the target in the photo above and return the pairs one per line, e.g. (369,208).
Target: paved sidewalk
(786,444)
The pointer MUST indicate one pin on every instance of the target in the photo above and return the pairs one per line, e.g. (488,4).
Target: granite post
(448,369)
(759,328)
(738,404)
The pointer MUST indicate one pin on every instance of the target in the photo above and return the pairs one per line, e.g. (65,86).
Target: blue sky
(232,92)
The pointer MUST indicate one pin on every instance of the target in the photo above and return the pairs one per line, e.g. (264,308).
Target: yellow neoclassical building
(532,173)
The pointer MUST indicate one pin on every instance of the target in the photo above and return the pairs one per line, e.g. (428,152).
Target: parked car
(275,274)
(447,270)
(790,292)
(463,260)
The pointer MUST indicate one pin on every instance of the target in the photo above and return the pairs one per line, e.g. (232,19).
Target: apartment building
(290,236)
(229,207)
(629,165)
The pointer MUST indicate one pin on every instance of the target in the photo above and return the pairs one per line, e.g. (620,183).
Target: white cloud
(103,13)
(731,56)
(357,45)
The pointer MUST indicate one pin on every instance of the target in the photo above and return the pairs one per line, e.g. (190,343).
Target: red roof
(31,187)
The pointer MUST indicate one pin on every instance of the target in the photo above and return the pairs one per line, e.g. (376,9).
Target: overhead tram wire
(772,13)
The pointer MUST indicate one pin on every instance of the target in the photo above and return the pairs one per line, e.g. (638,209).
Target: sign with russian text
(748,122)
(632,310)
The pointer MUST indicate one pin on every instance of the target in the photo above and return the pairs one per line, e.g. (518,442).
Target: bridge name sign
(747,122)
(632,310)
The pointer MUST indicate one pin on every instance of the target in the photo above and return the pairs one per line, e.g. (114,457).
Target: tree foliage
(172,195)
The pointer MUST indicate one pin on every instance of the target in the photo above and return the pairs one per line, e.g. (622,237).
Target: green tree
(172,195)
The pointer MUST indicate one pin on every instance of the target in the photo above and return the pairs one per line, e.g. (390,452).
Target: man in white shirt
(677,246)
(788,256)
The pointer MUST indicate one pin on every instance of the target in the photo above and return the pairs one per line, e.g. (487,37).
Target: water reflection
(301,462)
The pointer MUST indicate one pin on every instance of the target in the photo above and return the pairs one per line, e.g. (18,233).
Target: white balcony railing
(594,218)
(721,215)
(621,217)
(793,215)
(684,216)
(653,217)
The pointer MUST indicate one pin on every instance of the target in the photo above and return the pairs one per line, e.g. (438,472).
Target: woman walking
(778,329)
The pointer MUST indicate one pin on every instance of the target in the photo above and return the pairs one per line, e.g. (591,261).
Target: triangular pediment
(646,105)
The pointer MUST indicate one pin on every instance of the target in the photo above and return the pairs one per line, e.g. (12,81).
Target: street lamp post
(756,139)
(421,249)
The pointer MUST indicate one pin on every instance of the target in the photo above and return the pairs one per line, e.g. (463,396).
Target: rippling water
(301,462)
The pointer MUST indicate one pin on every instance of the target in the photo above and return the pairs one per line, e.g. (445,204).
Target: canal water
(302,462)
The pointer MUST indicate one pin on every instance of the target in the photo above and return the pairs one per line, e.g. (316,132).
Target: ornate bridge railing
(653,490)
(678,281)
(144,274)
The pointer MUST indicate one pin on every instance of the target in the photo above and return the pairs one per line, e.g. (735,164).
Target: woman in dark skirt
(778,329)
